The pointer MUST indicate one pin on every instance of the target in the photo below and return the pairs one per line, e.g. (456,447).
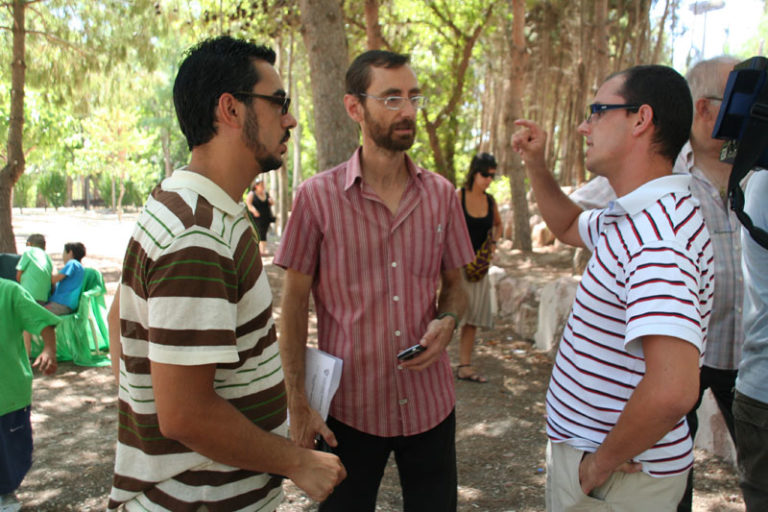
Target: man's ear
(703,108)
(354,107)
(644,120)
(229,111)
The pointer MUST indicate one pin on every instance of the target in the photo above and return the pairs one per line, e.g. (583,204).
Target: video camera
(743,123)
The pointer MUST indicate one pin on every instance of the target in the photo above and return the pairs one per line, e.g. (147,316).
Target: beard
(266,161)
(384,136)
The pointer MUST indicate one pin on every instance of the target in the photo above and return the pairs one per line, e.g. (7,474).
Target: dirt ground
(500,436)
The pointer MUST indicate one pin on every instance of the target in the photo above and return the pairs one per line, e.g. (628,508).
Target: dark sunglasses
(283,101)
(487,174)
(595,110)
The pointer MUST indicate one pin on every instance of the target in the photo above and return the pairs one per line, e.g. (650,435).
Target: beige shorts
(621,492)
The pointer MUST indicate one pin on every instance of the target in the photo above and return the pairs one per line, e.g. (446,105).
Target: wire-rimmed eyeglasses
(598,109)
(283,101)
(398,102)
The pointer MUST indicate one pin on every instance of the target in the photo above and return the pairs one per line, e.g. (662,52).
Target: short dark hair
(210,69)
(480,162)
(667,93)
(77,249)
(358,77)
(36,240)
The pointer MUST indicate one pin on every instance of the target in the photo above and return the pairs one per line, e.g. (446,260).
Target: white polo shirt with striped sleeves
(651,273)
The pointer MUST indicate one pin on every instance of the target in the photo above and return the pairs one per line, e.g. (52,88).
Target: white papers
(323,374)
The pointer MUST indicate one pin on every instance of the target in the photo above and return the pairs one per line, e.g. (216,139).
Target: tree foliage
(96,95)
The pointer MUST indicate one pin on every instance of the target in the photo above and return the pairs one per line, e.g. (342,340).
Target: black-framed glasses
(398,102)
(598,109)
(487,174)
(283,101)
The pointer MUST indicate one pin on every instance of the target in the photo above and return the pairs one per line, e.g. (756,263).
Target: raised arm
(559,212)
(305,421)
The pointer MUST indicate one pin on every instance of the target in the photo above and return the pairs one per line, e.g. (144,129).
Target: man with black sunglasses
(202,396)
(700,157)
(627,368)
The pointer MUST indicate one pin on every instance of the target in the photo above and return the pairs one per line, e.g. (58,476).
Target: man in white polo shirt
(627,369)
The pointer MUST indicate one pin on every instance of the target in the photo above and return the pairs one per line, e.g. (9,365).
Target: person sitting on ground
(69,281)
(484,225)
(33,272)
(20,312)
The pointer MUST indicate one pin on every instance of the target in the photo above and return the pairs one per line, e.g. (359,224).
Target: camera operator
(750,408)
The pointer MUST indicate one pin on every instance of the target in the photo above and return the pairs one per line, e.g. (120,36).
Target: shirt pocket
(425,254)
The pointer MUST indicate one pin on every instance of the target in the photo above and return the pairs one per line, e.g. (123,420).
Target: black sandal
(472,377)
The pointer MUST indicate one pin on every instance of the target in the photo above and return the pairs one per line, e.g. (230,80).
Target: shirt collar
(354,168)
(652,191)
(684,161)
(183,178)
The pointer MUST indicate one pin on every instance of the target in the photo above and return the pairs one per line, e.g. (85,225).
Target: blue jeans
(426,464)
(15,449)
(752,450)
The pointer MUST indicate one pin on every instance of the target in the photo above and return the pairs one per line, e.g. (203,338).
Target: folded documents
(322,377)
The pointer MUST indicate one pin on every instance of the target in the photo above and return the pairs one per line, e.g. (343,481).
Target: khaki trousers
(621,492)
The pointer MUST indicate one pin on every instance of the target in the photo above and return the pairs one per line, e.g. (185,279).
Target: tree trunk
(68,198)
(322,27)
(120,199)
(660,38)
(165,139)
(373,38)
(87,192)
(601,38)
(14,167)
(514,110)
(443,152)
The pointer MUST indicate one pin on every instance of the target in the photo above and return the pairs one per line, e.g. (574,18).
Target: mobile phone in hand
(411,352)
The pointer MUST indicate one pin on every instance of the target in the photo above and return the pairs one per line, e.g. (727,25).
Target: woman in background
(260,210)
(484,224)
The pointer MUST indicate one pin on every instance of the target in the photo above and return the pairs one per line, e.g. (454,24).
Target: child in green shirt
(34,269)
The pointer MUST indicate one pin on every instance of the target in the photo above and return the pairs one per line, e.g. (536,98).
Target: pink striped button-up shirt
(376,277)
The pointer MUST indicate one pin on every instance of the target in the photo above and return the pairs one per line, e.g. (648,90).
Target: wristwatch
(452,315)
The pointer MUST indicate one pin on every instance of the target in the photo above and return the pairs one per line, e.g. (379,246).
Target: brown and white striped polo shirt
(194,292)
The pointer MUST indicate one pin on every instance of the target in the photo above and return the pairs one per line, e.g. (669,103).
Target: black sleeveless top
(478,227)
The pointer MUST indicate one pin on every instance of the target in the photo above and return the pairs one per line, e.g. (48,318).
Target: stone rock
(518,300)
(555,304)
(580,259)
(541,236)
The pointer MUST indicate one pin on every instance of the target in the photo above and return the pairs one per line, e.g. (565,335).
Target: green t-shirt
(36,268)
(19,313)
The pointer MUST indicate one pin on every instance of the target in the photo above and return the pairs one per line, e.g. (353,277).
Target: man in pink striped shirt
(373,240)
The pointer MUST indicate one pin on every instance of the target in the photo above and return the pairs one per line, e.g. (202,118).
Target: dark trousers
(752,450)
(722,383)
(426,464)
(15,449)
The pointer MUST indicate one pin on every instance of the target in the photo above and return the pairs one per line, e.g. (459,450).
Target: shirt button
(403,401)
(394,264)
(395,298)
(397,333)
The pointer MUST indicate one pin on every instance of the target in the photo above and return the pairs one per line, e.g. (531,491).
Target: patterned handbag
(478,268)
